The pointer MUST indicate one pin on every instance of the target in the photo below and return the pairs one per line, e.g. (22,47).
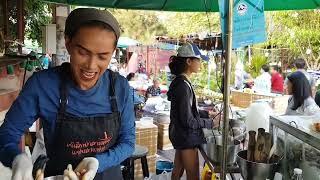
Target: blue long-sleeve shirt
(39,98)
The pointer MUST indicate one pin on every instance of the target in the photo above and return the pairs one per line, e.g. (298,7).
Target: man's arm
(21,115)
(126,140)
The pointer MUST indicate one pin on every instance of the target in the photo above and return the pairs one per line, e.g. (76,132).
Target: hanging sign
(248,22)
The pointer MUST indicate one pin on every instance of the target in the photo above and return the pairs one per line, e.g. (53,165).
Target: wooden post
(20,5)
(6,18)
(54,13)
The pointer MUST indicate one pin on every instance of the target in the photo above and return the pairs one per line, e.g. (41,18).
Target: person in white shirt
(300,64)
(262,84)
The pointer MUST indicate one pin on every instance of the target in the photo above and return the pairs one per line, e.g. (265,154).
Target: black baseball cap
(82,16)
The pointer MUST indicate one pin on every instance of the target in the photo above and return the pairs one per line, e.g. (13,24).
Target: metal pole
(249,54)
(226,89)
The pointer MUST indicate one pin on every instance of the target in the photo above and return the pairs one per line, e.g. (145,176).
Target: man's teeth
(88,74)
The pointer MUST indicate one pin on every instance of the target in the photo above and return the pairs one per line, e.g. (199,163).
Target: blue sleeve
(126,140)
(21,115)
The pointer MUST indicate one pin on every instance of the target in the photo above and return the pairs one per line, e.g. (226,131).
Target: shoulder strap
(113,98)
(64,73)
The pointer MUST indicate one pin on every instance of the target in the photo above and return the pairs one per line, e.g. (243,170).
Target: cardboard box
(244,100)
(147,135)
(151,166)
(164,142)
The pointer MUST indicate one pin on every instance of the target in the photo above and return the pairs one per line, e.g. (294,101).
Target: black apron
(78,137)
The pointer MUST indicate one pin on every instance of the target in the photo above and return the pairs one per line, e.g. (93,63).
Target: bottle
(267,146)
(251,145)
(258,153)
(297,174)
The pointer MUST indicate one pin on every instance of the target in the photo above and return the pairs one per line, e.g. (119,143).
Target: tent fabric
(125,42)
(188,5)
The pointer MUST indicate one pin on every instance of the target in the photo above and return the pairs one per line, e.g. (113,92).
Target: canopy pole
(226,89)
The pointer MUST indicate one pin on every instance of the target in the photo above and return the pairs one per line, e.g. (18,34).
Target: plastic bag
(206,171)
(163,176)
(39,147)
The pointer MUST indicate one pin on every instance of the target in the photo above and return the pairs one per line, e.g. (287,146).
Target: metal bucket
(213,149)
(256,171)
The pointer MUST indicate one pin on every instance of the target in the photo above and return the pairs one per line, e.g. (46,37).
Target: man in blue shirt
(86,110)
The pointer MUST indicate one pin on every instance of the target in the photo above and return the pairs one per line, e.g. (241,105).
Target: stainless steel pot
(255,171)
(59,177)
(237,129)
(213,149)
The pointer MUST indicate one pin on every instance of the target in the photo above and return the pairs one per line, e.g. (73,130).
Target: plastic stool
(140,152)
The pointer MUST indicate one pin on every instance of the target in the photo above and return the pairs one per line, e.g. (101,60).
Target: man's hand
(69,174)
(88,168)
(39,175)
(22,167)
(216,116)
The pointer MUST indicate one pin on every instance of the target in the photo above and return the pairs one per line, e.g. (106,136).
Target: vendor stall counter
(302,144)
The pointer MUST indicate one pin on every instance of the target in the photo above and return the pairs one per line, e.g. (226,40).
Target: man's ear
(67,43)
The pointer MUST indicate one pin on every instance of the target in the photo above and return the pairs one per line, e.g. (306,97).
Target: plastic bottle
(297,174)
(277,176)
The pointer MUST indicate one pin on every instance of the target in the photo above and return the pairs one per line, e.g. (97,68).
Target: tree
(145,25)
(297,30)
(38,14)
(140,25)
(179,24)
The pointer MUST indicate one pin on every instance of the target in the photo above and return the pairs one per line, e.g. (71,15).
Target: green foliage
(38,14)
(179,24)
(256,63)
(140,25)
(145,25)
(13,20)
(163,76)
(200,80)
(297,30)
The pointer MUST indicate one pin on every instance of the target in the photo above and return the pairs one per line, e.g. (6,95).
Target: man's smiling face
(90,50)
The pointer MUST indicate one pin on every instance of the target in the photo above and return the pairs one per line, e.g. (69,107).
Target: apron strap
(64,73)
(64,92)
(113,98)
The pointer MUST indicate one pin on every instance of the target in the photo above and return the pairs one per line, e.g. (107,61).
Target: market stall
(301,138)
(198,6)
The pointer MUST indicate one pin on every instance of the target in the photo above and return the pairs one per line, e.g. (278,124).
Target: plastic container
(147,119)
(162,166)
(258,115)
(297,174)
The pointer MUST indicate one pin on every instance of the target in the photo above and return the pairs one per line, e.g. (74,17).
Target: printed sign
(248,22)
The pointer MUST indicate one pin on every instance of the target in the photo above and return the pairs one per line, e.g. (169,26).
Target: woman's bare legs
(178,169)
(190,161)
(186,159)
